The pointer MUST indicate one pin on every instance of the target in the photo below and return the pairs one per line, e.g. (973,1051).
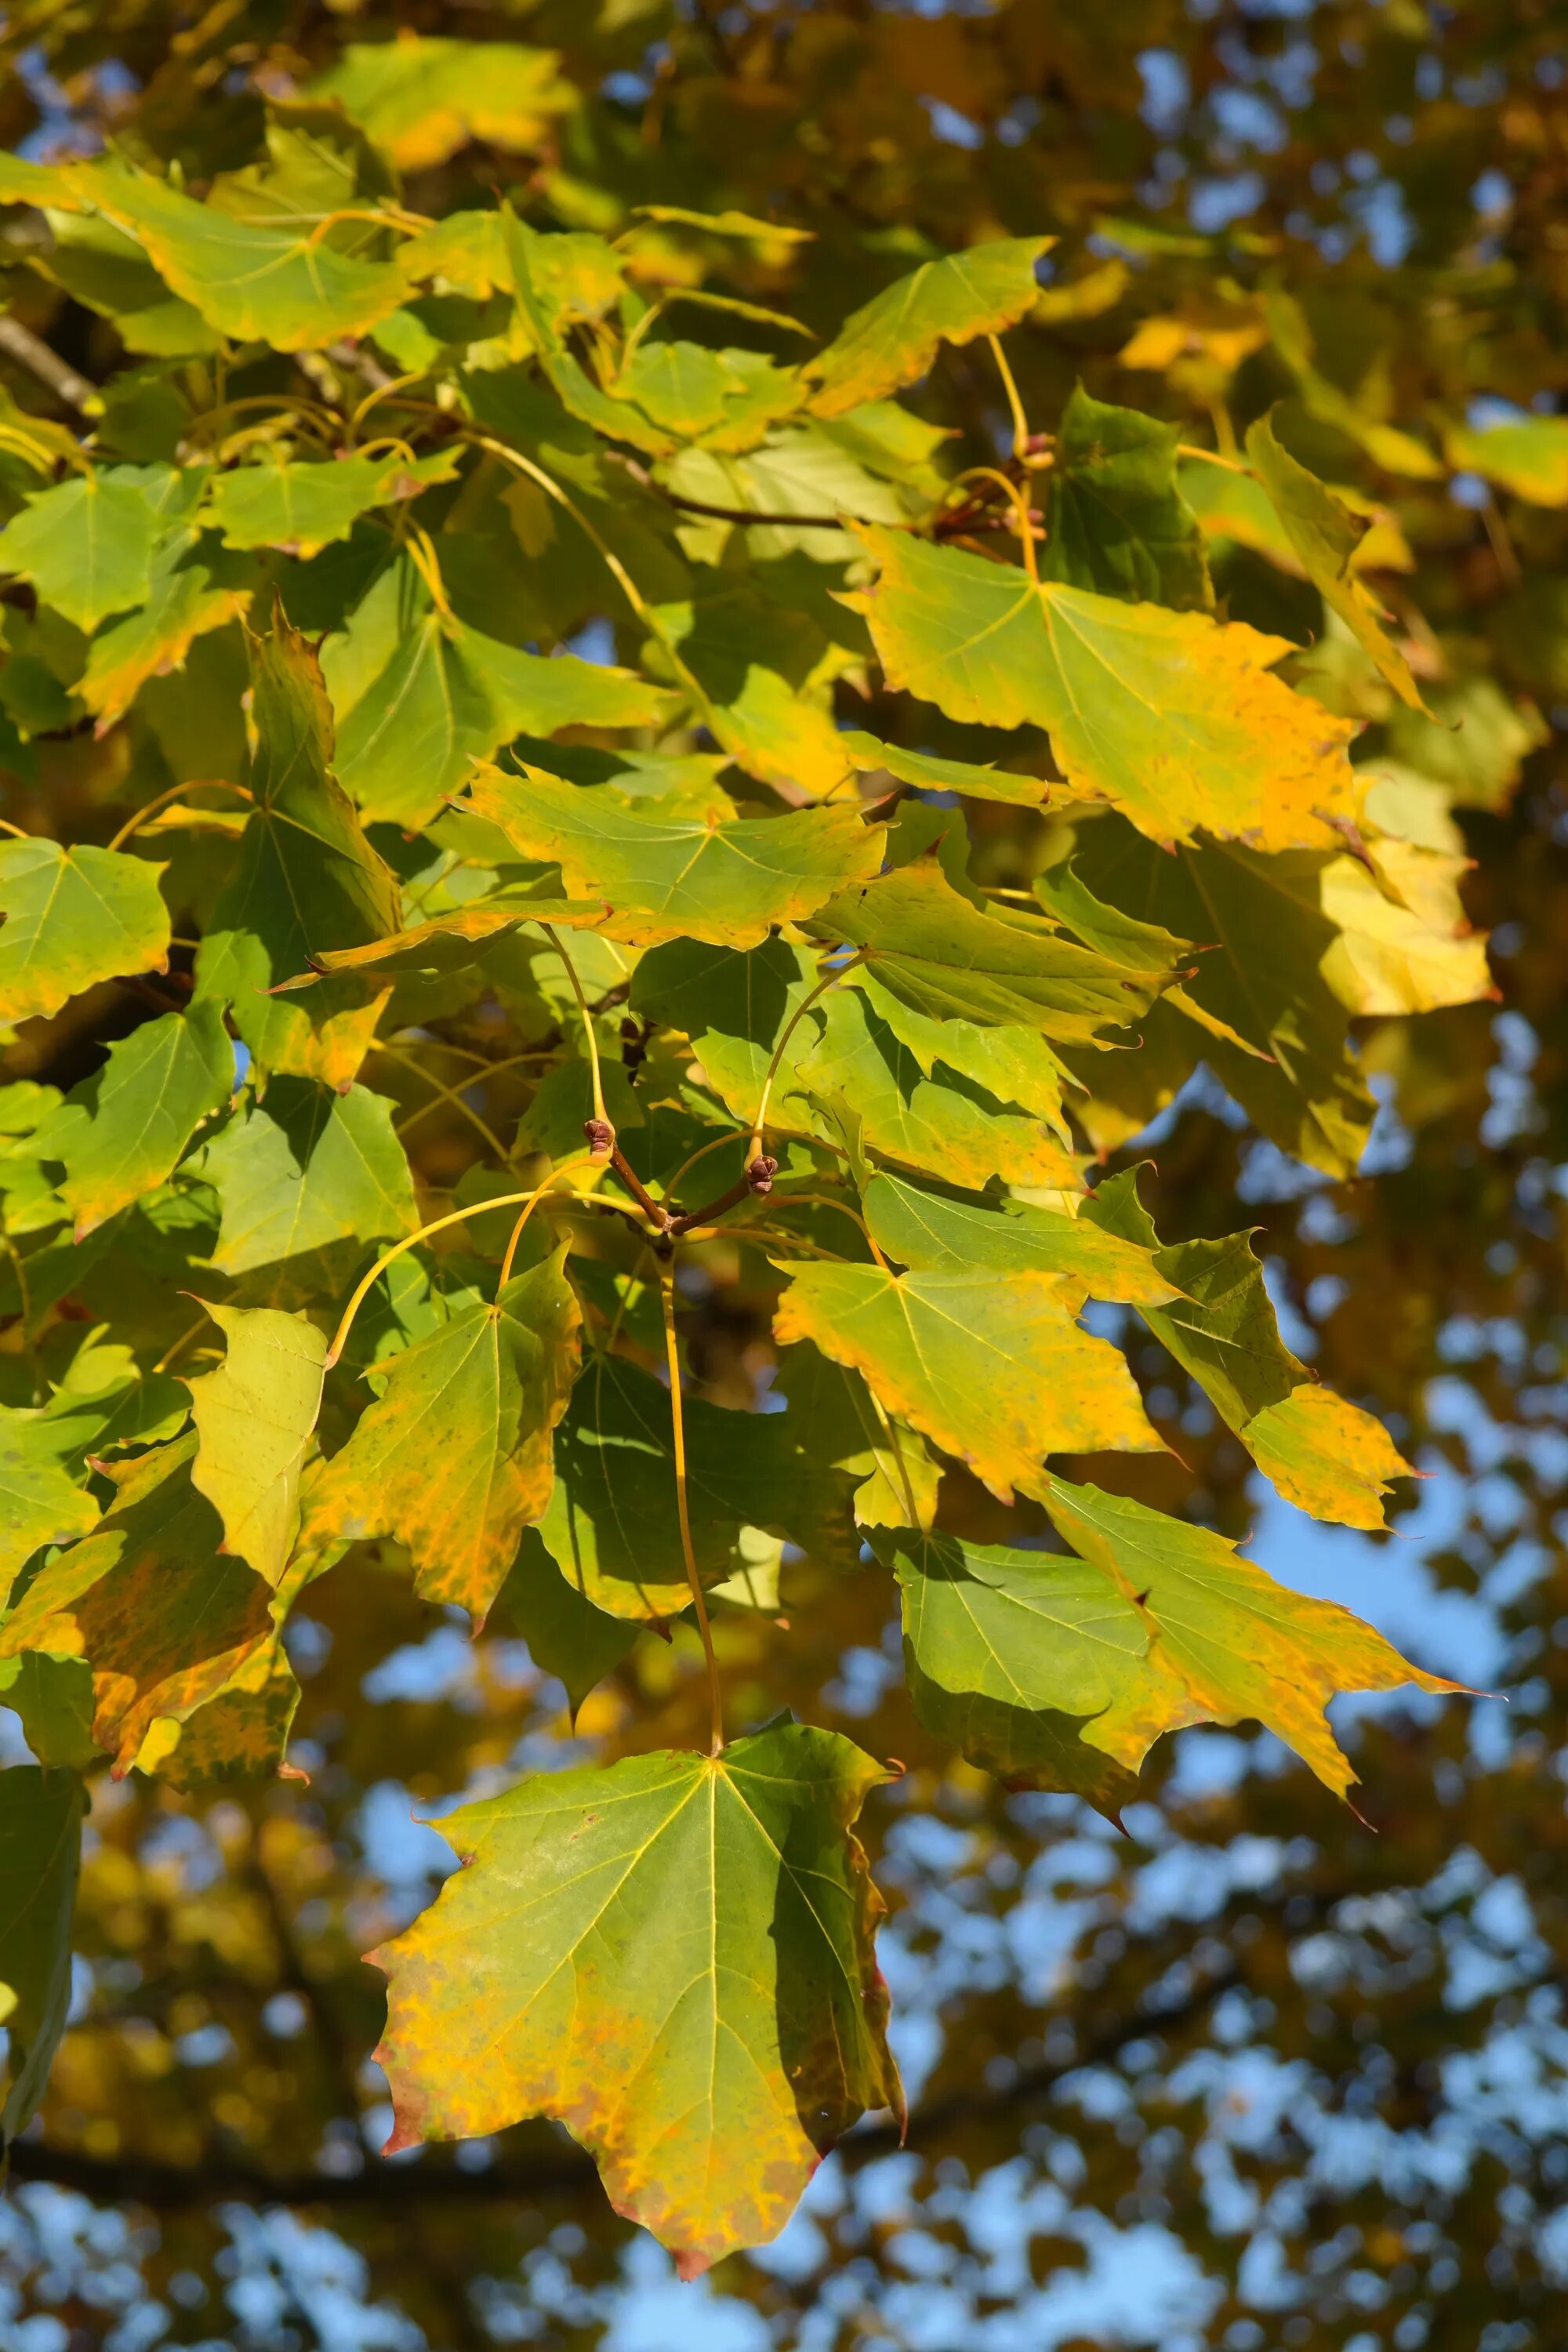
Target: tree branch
(29,351)
(564,2172)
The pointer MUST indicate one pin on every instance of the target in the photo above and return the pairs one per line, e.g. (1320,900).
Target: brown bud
(601,1138)
(761,1173)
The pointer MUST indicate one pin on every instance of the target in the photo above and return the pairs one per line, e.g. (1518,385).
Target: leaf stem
(437,1225)
(905,1481)
(760,1124)
(19,832)
(1020,422)
(583,1160)
(1213,457)
(553,936)
(672,1353)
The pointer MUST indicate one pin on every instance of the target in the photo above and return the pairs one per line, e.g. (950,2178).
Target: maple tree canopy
(593,726)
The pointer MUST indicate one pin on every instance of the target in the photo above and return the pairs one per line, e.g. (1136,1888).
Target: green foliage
(416,1018)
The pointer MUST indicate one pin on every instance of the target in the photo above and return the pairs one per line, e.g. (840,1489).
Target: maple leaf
(40,1854)
(73,917)
(707,2067)
(893,338)
(1174,718)
(454,1458)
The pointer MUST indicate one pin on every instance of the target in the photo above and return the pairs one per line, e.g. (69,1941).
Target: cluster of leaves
(295,593)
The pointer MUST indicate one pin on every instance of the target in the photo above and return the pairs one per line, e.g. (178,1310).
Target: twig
(29,351)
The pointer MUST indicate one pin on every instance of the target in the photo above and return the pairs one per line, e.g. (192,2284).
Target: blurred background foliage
(1259,2073)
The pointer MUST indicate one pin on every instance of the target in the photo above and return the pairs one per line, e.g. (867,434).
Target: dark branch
(565,2171)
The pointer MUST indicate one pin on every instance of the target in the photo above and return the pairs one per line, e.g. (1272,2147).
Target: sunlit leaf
(40,1503)
(121,1131)
(306,879)
(307,1176)
(994,1369)
(422,99)
(74,916)
(894,337)
(1325,535)
(1326,1455)
(1529,458)
(273,280)
(161,1616)
(672,1954)
(253,1417)
(87,544)
(936,1234)
(453,1458)
(1173,717)
(670,877)
(1245,1646)
(304,507)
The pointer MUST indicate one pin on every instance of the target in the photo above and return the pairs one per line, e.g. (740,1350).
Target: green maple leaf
(1325,1454)
(40,1502)
(1528,457)
(929,773)
(121,1133)
(672,1955)
(933,1232)
(949,960)
(74,916)
(305,1181)
(421,98)
(893,339)
(1175,718)
(993,1369)
(41,1856)
(1028,1663)
(611,1525)
(1117,521)
(1271,1024)
(282,503)
(253,1418)
(1243,1645)
(672,878)
(760,668)
(86,545)
(454,1458)
(275,280)
(448,697)
(306,879)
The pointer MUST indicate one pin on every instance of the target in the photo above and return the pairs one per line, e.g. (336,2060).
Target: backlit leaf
(280,503)
(253,1418)
(87,544)
(1174,718)
(893,339)
(306,879)
(567,1636)
(453,1458)
(994,1369)
(1245,1646)
(1029,1662)
(274,279)
(672,1954)
(667,878)
(121,1132)
(1325,535)
(933,1232)
(949,960)
(449,696)
(1529,458)
(40,1503)
(74,916)
(160,1615)
(1326,1455)
(309,1178)
(930,774)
